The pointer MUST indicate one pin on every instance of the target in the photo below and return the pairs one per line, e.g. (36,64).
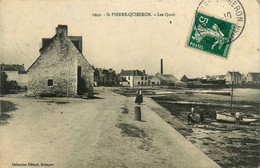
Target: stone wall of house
(87,73)
(58,63)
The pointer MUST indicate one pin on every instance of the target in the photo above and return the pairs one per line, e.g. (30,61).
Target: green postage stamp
(211,35)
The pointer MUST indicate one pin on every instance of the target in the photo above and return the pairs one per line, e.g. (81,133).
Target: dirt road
(92,133)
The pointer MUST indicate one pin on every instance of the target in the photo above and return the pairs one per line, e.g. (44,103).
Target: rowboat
(228,117)
(232,119)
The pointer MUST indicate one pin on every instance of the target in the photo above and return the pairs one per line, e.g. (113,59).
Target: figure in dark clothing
(190,119)
(139,97)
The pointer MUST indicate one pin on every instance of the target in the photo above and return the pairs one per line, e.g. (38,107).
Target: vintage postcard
(134,83)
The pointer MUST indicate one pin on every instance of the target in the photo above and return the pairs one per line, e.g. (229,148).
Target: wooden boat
(227,117)
(232,119)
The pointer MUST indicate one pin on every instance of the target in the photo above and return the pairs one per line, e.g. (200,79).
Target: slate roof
(131,73)
(48,41)
(13,67)
(236,74)
(254,74)
(168,78)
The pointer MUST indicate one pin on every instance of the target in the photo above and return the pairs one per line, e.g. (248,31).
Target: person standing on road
(139,97)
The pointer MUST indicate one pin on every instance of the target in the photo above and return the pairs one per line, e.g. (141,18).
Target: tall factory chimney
(161,66)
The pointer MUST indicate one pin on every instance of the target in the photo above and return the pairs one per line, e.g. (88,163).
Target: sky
(125,42)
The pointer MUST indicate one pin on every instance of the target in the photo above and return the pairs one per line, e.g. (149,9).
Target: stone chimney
(62,30)
(161,66)
(143,72)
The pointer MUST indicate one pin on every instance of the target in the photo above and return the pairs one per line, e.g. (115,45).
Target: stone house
(61,69)
(135,77)
(16,73)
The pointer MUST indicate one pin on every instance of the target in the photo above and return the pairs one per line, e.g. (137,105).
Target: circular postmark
(226,12)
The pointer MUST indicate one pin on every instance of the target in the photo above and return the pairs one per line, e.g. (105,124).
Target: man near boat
(239,117)
(192,110)
(193,118)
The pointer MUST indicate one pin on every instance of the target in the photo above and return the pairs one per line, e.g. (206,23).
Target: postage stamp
(211,35)
(229,10)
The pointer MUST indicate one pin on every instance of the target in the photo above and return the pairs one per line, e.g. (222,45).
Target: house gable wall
(58,63)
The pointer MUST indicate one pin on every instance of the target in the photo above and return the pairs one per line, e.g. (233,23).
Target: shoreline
(222,142)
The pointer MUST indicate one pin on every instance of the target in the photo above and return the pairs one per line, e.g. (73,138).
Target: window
(139,83)
(128,77)
(50,82)
(146,78)
(142,78)
(142,83)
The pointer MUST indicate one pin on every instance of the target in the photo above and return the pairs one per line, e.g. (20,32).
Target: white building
(135,77)
(236,77)
(16,73)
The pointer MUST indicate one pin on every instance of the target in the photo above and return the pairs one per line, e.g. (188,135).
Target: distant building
(104,77)
(185,79)
(253,78)
(214,79)
(16,73)
(236,77)
(166,79)
(61,69)
(153,80)
(135,77)
(123,82)
(220,77)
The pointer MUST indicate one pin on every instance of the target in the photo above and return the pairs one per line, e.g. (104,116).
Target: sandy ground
(92,133)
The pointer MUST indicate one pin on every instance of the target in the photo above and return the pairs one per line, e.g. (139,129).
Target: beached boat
(228,117)
(232,119)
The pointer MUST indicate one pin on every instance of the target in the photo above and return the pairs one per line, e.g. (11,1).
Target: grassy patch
(131,131)
(5,108)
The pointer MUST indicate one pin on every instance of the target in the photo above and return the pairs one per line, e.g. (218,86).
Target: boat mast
(232,89)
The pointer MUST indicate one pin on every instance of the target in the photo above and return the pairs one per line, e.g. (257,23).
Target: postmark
(228,10)
(211,35)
